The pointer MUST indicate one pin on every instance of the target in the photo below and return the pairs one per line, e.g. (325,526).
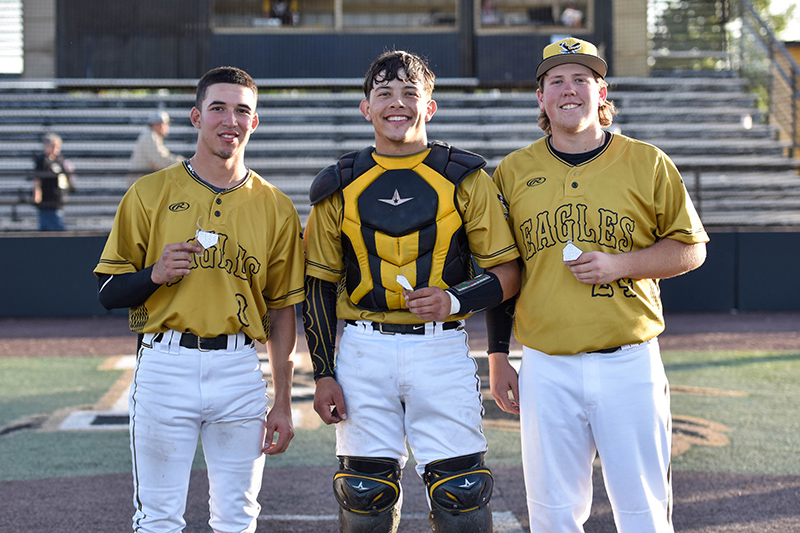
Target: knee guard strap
(368,490)
(459,490)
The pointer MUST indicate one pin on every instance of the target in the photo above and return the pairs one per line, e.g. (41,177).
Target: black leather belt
(615,349)
(190,340)
(405,329)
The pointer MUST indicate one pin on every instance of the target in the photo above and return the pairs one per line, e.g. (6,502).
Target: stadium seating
(732,161)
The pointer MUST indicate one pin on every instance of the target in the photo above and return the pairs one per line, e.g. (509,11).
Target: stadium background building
(494,42)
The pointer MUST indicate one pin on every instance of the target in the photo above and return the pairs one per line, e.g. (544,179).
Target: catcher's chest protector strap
(453,163)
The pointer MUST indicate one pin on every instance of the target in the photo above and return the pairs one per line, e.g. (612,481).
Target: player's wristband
(476,294)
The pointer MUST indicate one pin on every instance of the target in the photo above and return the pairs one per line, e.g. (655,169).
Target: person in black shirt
(52,180)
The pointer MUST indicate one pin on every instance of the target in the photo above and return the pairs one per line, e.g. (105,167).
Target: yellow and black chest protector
(400,216)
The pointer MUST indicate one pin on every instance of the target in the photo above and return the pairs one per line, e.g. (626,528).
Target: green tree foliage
(695,32)
(777,22)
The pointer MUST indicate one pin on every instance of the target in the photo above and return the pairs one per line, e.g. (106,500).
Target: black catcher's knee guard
(459,490)
(368,491)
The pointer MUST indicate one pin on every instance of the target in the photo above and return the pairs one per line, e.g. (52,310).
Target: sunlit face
(571,96)
(162,128)
(226,119)
(398,110)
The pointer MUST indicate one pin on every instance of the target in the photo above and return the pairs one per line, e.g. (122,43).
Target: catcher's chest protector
(405,221)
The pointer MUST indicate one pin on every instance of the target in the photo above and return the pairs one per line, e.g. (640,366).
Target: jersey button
(574,184)
(217,214)
(219,201)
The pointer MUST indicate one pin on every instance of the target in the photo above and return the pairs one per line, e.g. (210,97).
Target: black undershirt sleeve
(319,323)
(499,323)
(125,290)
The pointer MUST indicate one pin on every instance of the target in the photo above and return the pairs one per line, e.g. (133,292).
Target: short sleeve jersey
(484,218)
(256,265)
(626,198)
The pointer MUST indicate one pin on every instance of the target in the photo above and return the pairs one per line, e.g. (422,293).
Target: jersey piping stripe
(286,296)
(497,253)
(114,262)
(324,267)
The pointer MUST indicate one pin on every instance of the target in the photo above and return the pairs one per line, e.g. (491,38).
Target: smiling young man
(598,218)
(393,232)
(208,257)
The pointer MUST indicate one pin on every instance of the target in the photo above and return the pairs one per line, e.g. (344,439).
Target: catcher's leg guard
(459,490)
(368,491)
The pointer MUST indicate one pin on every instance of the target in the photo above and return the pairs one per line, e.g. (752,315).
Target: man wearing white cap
(599,219)
(149,153)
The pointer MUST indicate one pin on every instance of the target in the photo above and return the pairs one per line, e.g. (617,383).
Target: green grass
(764,426)
(34,385)
(764,423)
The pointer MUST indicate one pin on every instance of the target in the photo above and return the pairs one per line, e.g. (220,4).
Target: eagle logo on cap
(567,48)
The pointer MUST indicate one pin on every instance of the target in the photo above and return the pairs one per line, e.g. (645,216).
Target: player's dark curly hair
(388,66)
(232,75)
(606,111)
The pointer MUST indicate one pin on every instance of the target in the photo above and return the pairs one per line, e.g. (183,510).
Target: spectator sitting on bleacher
(150,154)
(52,180)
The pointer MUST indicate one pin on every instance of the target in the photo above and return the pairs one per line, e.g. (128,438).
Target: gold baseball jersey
(624,199)
(418,188)
(255,265)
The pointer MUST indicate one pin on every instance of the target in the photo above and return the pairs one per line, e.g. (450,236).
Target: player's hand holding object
(592,268)
(428,303)
(175,261)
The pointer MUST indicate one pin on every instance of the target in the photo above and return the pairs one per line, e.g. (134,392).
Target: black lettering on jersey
(572,222)
(241,300)
(544,232)
(625,242)
(564,223)
(526,229)
(602,291)
(242,265)
(585,233)
(246,265)
(608,222)
(625,286)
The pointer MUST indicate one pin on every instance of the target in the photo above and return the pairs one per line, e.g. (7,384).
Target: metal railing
(706,36)
(772,72)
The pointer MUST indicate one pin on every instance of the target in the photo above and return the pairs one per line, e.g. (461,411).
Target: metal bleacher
(732,161)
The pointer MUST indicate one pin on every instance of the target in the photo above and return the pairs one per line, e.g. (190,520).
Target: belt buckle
(380,329)
(205,345)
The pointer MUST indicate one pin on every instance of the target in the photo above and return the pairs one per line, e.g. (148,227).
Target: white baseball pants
(177,397)
(424,387)
(574,407)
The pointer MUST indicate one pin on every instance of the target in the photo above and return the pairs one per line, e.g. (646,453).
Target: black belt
(190,340)
(615,349)
(405,329)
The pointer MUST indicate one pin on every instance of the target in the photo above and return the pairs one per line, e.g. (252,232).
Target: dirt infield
(299,499)
(111,336)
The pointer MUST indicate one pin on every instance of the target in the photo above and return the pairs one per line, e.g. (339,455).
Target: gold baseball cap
(571,50)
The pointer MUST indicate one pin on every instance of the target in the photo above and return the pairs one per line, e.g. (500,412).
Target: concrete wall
(48,275)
